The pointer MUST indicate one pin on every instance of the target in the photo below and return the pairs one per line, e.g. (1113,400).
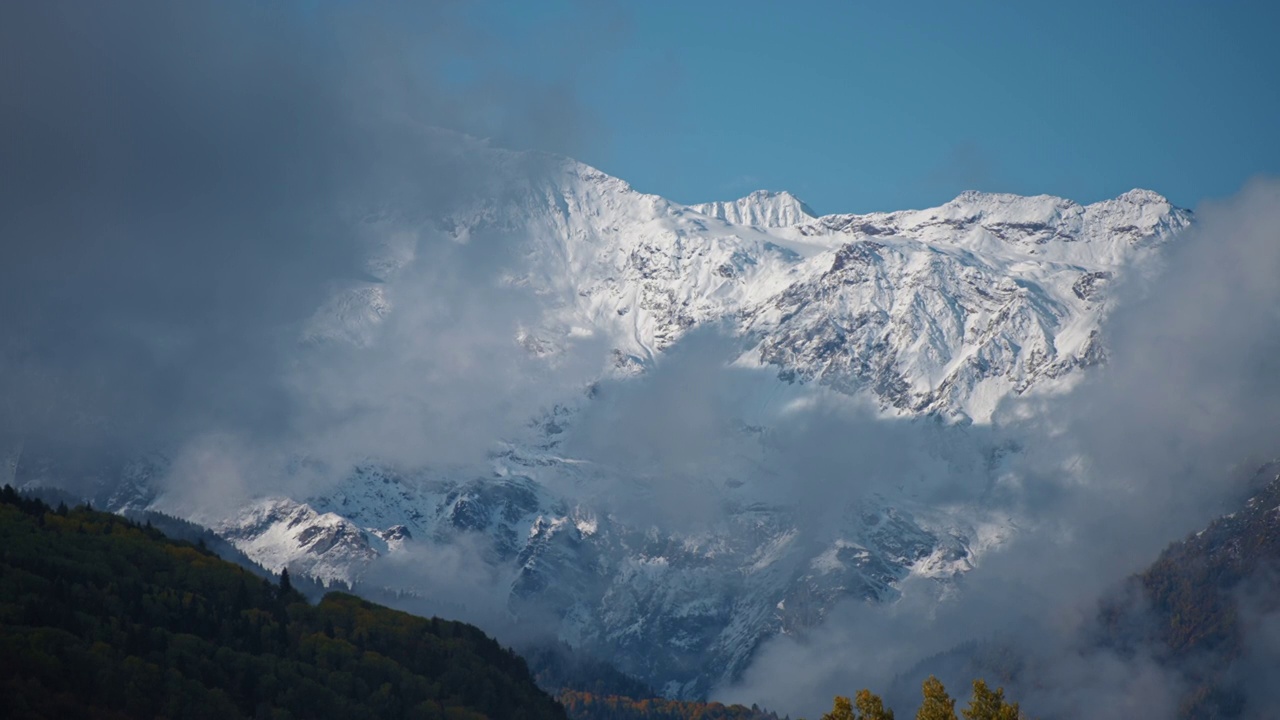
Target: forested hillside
(103,618)
(1200,600)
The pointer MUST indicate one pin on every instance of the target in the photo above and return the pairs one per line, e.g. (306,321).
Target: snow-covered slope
(943,312)
(684,610)
(761,208)
(950,310)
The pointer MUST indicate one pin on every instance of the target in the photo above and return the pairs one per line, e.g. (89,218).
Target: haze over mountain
(729,445)
(661,512)
(699,433)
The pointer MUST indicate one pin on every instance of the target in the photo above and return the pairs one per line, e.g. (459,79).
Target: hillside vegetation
(1201,600)
(103,618)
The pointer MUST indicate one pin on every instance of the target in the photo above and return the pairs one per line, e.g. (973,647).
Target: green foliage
(871,707)
(104,618)
(988,704)
(937,705)
(865,706)
(842,709)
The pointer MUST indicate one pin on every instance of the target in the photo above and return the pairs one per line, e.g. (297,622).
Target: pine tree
(286,585)
(937,705)
(841,710)
(987,704)
(871,707)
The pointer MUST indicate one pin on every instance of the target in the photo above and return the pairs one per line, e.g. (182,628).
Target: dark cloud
(184,184)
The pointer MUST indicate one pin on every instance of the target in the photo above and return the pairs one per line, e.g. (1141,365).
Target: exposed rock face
(939,313)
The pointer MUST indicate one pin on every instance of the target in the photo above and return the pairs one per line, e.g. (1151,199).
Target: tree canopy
(103,618)
(985,704)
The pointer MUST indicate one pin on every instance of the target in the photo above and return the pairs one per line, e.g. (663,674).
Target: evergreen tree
(102,620)
(937,705)
(841,710)
(286,585)
(987,704)
(871,707)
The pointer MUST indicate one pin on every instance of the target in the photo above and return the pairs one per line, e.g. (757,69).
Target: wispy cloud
(188,183)
(1150,448)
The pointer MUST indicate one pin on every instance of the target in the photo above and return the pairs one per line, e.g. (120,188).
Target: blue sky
(862,106)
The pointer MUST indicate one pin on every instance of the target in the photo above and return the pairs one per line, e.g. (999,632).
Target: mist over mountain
(284,279)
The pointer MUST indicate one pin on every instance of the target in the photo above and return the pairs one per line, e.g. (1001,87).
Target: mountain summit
(944,313)
(762,208)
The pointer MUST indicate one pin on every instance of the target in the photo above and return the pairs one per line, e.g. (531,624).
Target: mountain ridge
(944,313)
(764,208)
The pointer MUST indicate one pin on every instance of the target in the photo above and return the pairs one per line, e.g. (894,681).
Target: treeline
(588,706)
(936,704)
(101,617)
(106,617)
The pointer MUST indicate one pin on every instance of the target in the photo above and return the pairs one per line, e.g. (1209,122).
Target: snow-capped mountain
(942,313)
(684,610)
(761,208)
(942,310)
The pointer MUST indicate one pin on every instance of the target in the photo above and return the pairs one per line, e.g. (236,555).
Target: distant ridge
(762,208)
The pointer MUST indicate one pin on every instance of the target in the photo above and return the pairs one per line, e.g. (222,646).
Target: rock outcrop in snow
(942,312)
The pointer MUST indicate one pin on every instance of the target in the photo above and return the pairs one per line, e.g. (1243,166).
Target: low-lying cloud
(1153,446)
(194,181)
(188,184)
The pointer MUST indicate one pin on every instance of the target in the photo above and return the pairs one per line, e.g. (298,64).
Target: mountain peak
(989,200)
(762,208)
(1143,196)
(979,199)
